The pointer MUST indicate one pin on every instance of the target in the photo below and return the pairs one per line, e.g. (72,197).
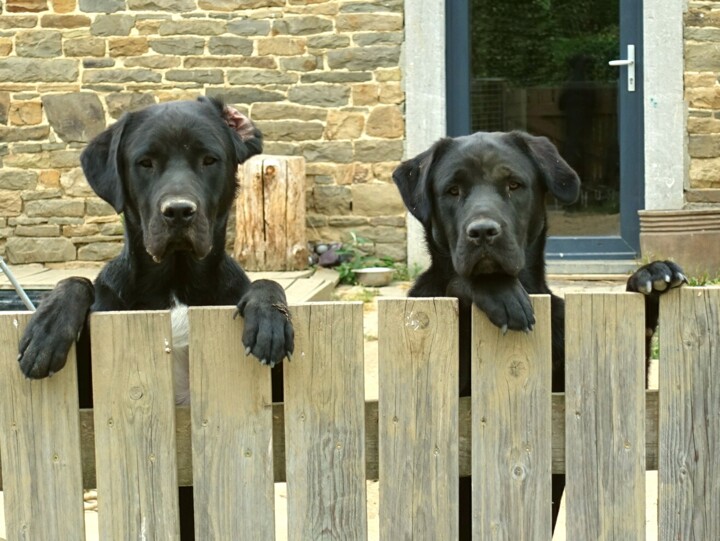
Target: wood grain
(605,416)
(511,420)
(134,425)
(39,444)
(325,425)
(418,418)
(689,473)
(231,407)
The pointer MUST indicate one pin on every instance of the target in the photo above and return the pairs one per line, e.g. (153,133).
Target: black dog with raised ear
(481,201)
(170,169)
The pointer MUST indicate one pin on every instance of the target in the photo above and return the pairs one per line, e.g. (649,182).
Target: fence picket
(418,418)
(39,444)
(325,424)
(231,408)
(134,425)
(605,416)
(689,415)
(511,414)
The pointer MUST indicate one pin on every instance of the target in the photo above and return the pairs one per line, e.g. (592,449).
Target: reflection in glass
(542,66)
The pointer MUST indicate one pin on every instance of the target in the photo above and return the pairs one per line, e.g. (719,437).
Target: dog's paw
(656,278)
(54,328)
(506,303)
(268,333)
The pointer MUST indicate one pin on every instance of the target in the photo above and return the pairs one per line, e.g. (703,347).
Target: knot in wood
(519,472)
(417,321)
(136,392)
(517,366)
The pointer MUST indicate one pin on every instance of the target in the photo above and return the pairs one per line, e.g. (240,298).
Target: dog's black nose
(484,230)
(178,211)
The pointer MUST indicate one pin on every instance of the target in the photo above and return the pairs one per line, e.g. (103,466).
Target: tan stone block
(705,173)
(386,121)
(391,93)
(10,203)
(700,79)
(25,113)
(703,98)
(65,21)
(49,178)
(388,74)
(362,22)
(365,94)
(362,173)
(384,170)
(6,46)
(128,46)
(22,6)
(281,46)
(344,125)
(82,230)
(148,27)
(74,184)
(64,6)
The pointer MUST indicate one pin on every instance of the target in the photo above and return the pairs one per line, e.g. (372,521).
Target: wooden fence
(326,440)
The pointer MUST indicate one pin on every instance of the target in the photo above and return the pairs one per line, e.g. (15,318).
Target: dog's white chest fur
(181,356)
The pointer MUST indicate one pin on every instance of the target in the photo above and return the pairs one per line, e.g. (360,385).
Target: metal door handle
(630,63)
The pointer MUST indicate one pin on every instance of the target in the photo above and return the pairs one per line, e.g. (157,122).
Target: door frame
(626,245)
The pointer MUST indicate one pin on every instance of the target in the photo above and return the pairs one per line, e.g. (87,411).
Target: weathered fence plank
(40,445)
(135,425)
(605,416)
(325,425)
(418,416)
(511,402)
(689,482)
(232,431)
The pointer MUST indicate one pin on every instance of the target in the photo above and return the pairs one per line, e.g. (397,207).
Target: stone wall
(702,92)
(320,78)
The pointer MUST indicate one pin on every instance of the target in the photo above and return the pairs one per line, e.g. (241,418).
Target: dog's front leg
(502,298)
(55,327)
(268,333)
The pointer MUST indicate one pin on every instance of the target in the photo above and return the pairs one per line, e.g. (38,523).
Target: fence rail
(325,440)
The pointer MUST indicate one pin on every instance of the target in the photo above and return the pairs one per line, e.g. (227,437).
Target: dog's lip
(191,249)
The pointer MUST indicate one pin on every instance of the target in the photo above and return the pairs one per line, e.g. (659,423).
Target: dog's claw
(504,329)
(289,356)
(247,351)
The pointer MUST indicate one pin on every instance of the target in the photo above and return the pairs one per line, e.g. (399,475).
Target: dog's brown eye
(513,185)
(454,191)
(146,163)
(209,160)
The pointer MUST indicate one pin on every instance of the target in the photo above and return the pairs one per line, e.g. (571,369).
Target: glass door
(543,66)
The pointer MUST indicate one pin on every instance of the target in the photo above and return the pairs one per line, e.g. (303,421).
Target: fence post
(39,444)
(689,504)
(134,425)
(270,214)
(418,418)
(511,429)
(605,416)
(325,424)
(231,431)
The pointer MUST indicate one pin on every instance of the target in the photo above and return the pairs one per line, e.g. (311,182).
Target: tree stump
(270,210)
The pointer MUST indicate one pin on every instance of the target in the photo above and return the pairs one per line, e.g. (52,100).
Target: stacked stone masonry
(702,93)
(320,78)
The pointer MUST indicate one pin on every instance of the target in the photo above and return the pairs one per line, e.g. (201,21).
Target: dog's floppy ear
(413,178)
(560,179)
(246,137)
(100,163)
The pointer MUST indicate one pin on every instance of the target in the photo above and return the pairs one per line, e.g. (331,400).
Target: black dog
(170,169)
(481,201)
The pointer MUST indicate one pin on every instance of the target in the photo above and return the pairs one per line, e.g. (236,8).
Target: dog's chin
(164,248)
(474,265)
